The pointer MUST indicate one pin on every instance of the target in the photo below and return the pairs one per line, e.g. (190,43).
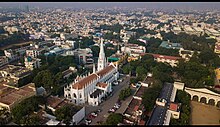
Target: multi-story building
(3,60)
(92,87)
(186,54)
(172,60)
(31,62)
(133,48)
(10,96)
(32,52)
(11,55)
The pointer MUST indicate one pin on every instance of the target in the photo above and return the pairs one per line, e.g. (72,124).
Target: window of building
(80,95)
(74,95)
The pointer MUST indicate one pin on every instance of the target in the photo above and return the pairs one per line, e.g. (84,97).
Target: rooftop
(158,116)
(96,93)
(101,84)
(85,81)
(166,91)
(105,70)
(55,102)
(166,57)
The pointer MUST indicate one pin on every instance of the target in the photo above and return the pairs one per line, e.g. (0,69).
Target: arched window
(80,95)
(74,95)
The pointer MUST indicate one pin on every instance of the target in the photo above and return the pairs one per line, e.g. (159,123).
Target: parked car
(91,116)
(120,80)
(115,83)
(94,114)
(112,110)
(118,102)
(117,105)
(99,110)
(88,121)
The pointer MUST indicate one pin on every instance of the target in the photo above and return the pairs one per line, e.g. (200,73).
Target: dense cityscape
(110,65)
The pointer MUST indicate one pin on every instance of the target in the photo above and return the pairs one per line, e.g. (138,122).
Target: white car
(115,83)
(88,121)
(94,114)
(120,80)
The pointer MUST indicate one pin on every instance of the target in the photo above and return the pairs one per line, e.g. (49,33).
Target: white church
(92,87)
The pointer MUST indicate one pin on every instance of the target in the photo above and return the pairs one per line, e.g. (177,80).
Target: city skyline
(150,5)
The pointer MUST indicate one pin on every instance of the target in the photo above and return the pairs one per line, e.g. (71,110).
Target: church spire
(102,59)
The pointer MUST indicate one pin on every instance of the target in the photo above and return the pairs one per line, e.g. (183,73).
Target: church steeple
(102,59)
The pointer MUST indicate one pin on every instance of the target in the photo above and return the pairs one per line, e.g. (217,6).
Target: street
(109,103)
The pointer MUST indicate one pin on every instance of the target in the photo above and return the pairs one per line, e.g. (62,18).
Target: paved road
(109,103)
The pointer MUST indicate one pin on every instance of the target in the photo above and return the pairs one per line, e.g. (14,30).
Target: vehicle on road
(88,121)
(94,114)
(112,110)
(120,80)
(117,106)
(115,83)
(98,111)
(91,116)
(118,102)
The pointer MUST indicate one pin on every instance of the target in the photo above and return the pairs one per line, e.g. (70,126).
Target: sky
(150,5)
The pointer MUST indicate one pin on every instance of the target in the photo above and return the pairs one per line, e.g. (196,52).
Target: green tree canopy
(114,119)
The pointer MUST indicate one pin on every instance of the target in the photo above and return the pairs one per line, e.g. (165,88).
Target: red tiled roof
(142,122)
(166,57)
(82,83)
(101,84)
(54,101)
(105,70)
(173,107)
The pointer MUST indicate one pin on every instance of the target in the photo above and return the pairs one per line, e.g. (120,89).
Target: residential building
(186,54)
(32,52)
(172,60)
(165,107)
(31,62)
(10,96)
(69,72)
(169,45)
(3,60)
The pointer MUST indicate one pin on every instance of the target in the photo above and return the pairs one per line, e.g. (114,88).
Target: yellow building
(217,73)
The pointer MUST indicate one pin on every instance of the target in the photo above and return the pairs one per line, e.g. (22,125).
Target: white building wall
(79,115)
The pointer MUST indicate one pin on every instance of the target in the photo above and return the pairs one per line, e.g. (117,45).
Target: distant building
(69,72)
(133,48)
(11,55)
(169,45)
(3,60)
(31,62)
(55,103)
(172,60)
(186,54)
(10,96)
(217,48)
(32,52)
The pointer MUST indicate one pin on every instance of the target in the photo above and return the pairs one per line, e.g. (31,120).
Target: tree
(95,51)
(114,119)
(26,107)
(45,79)
(66,113)
(124,93)
(126,69)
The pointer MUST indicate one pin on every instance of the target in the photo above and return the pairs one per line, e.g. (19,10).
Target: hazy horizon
(150,5)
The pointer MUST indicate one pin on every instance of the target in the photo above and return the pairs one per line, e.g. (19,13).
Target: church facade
(91,88)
